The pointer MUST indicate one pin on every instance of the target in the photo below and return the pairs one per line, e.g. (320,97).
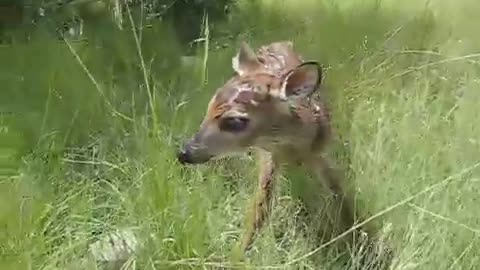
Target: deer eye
(233,124)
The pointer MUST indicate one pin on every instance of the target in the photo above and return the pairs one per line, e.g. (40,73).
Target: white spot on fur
(282,94)
(233,113)
(236,65)
(240,88)
(277,61)
(279,94)
(244,87)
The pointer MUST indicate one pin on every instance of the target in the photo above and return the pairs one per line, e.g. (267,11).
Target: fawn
(269,105)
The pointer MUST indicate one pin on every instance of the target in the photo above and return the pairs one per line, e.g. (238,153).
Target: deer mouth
(186,157)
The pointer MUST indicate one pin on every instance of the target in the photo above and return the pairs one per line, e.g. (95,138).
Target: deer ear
(302,81)
(246,60)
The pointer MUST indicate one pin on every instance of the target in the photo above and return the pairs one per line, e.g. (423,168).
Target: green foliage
(186,16)
(81,155)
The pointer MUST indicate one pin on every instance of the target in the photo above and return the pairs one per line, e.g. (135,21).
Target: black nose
(184,156)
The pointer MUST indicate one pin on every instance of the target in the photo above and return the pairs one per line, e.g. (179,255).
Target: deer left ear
(302,81)
(246,60)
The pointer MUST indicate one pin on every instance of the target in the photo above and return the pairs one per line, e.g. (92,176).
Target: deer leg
(378,251)
(262,202)
(338,214)
(370,251)
(335,184)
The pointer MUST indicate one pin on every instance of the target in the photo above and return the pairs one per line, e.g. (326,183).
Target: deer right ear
(246,60)
(302,81)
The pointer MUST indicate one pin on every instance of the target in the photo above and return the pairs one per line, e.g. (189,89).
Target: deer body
(270,105)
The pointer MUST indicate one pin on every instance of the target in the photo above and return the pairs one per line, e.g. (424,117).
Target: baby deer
(269,105)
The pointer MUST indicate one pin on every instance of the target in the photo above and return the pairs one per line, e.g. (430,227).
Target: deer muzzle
(193,152)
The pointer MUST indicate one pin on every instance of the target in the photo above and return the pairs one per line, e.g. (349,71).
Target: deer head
(263,105)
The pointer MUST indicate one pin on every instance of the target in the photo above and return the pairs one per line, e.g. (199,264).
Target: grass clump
(83,159)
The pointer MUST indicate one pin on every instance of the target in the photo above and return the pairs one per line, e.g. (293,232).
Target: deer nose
(184,156)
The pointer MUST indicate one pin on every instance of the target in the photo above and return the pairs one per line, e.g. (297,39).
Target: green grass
(80,159)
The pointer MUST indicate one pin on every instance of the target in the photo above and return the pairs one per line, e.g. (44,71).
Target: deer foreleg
(262,202)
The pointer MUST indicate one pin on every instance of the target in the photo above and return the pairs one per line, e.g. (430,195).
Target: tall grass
(90,130)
